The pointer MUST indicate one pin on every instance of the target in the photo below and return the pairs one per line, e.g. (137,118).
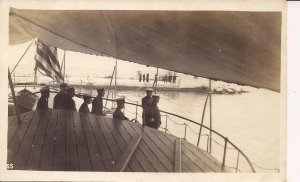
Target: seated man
(58,102)
(69,103)
(154,113)
(84,107)
(43,100)
(118,114)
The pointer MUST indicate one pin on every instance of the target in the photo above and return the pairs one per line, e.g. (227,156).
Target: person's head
(63,87)
(120,103)
(149,92)
(87,98)
(70,91)
(155,99)
(101,91)
(45,92)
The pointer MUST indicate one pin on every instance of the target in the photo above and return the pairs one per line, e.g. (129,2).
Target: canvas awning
(237,47)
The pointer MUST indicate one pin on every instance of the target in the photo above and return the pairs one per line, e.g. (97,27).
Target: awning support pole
(14,97)
(112,76)
(202,119)
(64,66)
(116,81)
(22,57)
(210,115)
(156,79)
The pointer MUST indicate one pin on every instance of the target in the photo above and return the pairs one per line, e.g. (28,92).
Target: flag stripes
(46,60)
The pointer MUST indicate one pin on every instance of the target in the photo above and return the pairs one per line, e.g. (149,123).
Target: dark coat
(146,103)
(69,103)
(84,108)
(118,114)
(42,103)
(58,102)
(154,117)
(97,106)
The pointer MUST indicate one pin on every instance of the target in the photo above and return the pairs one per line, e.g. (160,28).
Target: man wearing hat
(154,113)
(84,107)
(58,102)
(97,104)
(118,114)
(43,100)
(69,103)
(146,103)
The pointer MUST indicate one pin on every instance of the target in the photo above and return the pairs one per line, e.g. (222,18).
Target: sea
(251,121)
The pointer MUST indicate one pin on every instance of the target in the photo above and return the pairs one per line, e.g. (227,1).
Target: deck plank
(114,149)
(185,160)
(127,154)
(155,138)
(101,142)
(95,156)
(37,145)
(14,125)
(133,163)
(82,148)
(204,166)
(139,155)
(114,127)
(71,148)
(59,158)
(116,134)
(145,164)
(23,152)
(49,142)
(191,164)
(151,157)
(207,158)
(11,119)
(170,143)
(160,155)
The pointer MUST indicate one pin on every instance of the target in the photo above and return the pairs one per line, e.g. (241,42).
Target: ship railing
(186,126)
(167,117)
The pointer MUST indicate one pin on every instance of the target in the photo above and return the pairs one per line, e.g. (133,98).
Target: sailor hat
(120,100)
(101,89)
(63,85)
(45,89)
(69,88)
(86,96)
(149,90)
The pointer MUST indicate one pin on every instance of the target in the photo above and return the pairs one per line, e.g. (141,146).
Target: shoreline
(201,89)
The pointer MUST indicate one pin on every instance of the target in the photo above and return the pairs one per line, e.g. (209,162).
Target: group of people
(64,100)
(151,113)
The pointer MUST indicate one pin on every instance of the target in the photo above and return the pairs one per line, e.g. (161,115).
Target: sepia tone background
(164,5)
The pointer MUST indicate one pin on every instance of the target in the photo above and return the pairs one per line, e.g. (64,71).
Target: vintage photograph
(167,91)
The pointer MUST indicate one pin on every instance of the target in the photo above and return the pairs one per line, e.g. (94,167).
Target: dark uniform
(84,108)
(146,103)
(118,114)
(69,103)
(97,105)
(59,100)
(154,117)
(43,100)
(42,103)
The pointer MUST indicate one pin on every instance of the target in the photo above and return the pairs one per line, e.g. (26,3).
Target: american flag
(46,61)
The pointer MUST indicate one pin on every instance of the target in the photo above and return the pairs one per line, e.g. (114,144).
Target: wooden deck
(58,140)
